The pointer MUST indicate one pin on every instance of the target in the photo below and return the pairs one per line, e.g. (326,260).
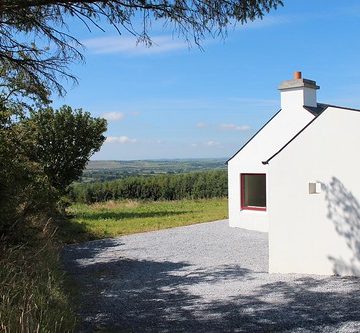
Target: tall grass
(32,297)
(115,218)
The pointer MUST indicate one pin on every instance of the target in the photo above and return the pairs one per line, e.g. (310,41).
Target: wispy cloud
(134,113)
(120,139)
(113,115)
(233,127)
(129,45)
(212,143)
(267,21)
(155,141)
(255,102)
(201,124)
(226,104)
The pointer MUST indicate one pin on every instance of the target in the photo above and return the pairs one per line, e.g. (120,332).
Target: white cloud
(201,125)
(255,102)
(230,104)
(113,115)
(134,113)
(154,142)
(233,127)
(267,21)
(120,139)
(129,45)
(212,143)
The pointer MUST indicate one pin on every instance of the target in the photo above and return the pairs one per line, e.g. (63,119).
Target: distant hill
(107,170)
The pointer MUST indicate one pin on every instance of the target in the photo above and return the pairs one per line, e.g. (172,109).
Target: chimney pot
(297,75)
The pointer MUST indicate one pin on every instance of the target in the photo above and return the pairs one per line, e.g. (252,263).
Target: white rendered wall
(249,160)
(317,233)
(298,97)
(248,219)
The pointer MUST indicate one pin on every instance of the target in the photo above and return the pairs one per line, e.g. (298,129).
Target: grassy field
(114,218)
(108,170)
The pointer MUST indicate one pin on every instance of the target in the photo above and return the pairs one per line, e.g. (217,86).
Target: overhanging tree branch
(36,46)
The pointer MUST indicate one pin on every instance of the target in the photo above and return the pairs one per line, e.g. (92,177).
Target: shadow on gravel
(127,295)
(302,305)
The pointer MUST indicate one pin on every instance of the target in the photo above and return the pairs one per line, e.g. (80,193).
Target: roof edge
(322,105)
(247,142)
(341,107)
(292,139)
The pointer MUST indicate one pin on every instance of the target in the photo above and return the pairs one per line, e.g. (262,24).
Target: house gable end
(324,107)
(244,145)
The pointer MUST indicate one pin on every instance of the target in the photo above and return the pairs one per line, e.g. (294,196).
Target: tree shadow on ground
(344,212)
(305,304)
(121,294)
(69,231)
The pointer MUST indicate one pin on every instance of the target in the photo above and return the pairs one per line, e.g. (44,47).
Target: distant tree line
(194,185)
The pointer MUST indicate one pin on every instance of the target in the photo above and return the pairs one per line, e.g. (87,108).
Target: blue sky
(172,101)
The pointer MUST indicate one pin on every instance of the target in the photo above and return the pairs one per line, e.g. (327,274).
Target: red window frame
(242,195)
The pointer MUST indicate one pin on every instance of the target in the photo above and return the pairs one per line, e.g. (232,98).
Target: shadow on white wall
(344,211)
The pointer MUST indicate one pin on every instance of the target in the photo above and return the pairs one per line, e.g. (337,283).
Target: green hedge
(195,185)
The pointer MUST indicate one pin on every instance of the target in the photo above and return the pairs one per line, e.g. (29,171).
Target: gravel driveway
(202,278)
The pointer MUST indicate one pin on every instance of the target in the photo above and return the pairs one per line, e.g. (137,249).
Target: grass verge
(114,218)
(32,297)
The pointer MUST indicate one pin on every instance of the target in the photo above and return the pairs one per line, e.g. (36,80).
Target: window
(253,191)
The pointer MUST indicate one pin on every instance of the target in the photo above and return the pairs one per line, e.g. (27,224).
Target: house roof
(315,111)
(243,146)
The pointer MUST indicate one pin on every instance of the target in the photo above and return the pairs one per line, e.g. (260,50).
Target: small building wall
(317,233)
(247,219)
(271,138)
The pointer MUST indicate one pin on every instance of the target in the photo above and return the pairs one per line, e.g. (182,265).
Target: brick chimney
(298,92)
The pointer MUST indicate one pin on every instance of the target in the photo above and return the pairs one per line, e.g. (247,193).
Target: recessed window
(253,191)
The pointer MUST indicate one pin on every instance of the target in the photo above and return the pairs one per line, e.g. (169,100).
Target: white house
(298,178)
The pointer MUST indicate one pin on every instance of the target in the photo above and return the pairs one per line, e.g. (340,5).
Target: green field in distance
(108,170)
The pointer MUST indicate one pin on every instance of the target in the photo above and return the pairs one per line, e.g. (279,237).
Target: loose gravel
(202,278)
